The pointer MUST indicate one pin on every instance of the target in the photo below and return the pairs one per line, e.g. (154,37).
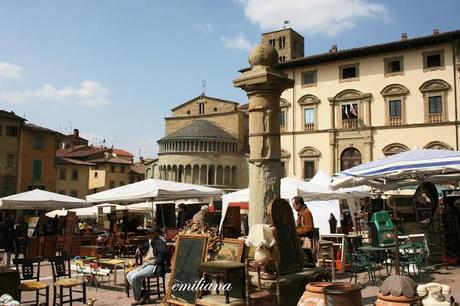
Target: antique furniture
(221,270)
(339,249)
(62,279)
(190,251)
(113,264)
(9,282)
(264,294)
(29,272)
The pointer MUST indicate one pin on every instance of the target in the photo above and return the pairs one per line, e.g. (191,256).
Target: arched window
(435,100)
(395,96)
(350,157)
(394,148)
(438,145)
(309,104)
(309,157)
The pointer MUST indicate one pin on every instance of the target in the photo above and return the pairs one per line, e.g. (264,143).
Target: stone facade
(288,43)
(357,105)
(205,143)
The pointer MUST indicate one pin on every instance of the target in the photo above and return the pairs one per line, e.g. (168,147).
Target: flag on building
(354,110)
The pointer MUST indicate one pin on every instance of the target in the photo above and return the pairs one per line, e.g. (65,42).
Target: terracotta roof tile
(122,152)
(65,160)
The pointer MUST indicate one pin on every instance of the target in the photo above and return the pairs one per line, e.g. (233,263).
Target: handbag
(306,243)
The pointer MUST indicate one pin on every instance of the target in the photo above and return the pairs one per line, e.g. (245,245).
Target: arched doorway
(350,157)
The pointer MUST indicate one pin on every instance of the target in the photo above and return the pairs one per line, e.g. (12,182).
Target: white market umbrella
(404,169)
(153,189)
(87,212)
(40,200)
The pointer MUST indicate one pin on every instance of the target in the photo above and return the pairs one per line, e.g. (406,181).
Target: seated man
(155,254)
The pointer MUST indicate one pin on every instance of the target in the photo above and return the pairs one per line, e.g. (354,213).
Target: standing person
(20,235)
(201,217)
(304,227)
(183,216)
(7,237)
(155,253)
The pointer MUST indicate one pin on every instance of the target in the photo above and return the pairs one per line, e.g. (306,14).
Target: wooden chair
(62,279)
(29,278)
(263,295)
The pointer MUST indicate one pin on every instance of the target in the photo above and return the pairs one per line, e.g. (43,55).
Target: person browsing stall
(155,253)
(201,217)
(183,216)
(304,226)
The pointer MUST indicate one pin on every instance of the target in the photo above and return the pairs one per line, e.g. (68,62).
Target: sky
(115,68)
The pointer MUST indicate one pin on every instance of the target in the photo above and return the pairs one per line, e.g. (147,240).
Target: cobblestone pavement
(105,297)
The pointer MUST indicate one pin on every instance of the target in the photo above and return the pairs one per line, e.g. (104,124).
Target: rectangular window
(10,160)
(112,168)
(349,72)
(112,184)
(309,77)
(74,193)
(11,131)
(61,192)
(309,115)
(74,175)
(95,174)
(200,108)
(38,142)
(435,105)
(349,111)
(395,108)
(394,65)
(9,184)
(62,174)
(282,118)
(122,169)
(37,170)
(308,169)
(433,59)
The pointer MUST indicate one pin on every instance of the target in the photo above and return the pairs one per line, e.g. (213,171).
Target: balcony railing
(349,123)
(434,118)
(283,128)
(395,120)
(309,127)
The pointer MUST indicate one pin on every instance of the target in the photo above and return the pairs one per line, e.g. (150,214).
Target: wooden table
(112,264)
(222,269)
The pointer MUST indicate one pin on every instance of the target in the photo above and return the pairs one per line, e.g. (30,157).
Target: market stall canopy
(40,200)
(404,169)
(291,187)
(321,178)
(153,189)
(88,212)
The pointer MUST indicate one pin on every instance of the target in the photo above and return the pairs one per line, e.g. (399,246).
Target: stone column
(264,85)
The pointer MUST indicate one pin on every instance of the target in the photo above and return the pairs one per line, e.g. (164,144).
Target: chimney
(404,36)
(141,159)
(435,31)
(333,49)
(76,132)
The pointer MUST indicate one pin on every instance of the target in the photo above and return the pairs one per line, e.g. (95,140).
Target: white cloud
(89,94)
(10,71)
(238,42)
(312,16)
(206,28)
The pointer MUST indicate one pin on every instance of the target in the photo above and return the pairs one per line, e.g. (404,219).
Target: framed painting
(228,249)
(190,251)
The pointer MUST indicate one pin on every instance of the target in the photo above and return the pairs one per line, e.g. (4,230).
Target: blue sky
(114,69)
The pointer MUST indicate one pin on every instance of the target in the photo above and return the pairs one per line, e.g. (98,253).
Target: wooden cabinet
(9,282)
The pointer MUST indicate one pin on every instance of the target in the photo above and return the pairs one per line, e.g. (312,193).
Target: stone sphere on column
(263,55)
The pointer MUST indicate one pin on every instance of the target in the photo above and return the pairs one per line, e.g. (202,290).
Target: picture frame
(228,249)
(190,251)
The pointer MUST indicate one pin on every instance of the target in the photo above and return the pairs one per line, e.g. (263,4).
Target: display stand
(339,247)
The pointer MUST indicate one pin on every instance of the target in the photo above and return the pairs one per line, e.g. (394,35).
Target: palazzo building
(352,106)
(205,144)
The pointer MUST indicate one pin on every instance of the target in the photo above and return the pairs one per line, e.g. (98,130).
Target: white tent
(88,212)
(40,200)
(153,189)
(321,200)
